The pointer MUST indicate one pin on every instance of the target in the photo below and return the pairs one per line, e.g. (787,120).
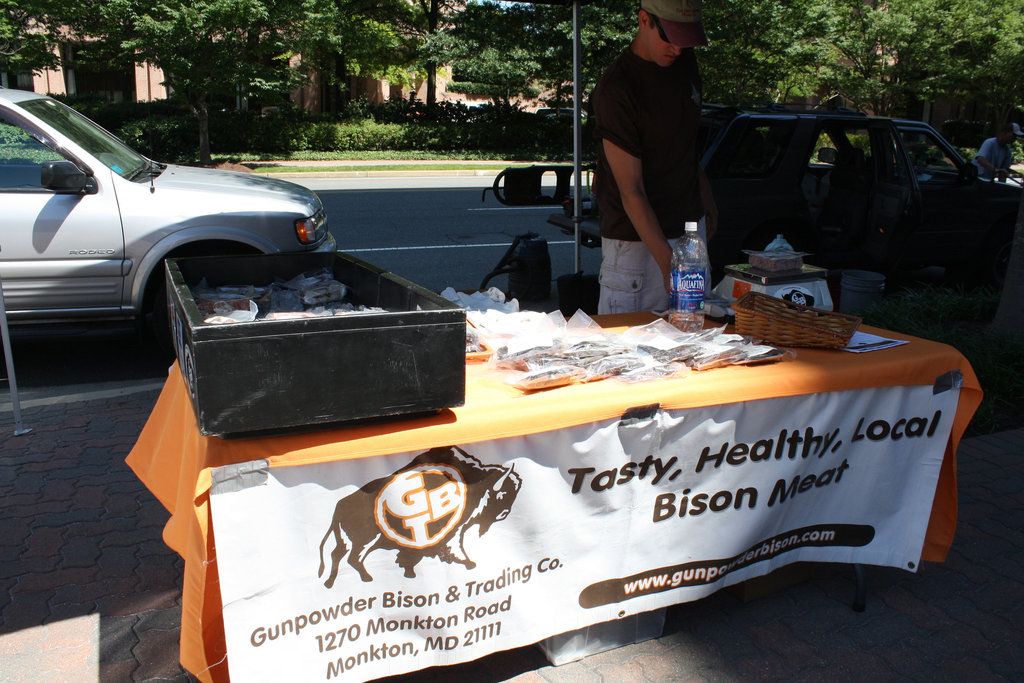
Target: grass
(961,319)
(322,168)
(394,155)
(350,161)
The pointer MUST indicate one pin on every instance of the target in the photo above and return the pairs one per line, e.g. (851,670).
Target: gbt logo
(419,506)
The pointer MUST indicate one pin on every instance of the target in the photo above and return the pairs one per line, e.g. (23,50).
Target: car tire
(159,322)
(155,311)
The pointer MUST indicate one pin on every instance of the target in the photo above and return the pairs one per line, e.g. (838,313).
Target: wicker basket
(784,323)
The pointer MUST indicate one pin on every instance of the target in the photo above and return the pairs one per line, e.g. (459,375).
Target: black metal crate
(266,376)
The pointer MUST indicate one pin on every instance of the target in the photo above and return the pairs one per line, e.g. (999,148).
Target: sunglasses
(657,25)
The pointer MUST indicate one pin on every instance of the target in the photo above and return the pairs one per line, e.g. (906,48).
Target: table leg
(860,596)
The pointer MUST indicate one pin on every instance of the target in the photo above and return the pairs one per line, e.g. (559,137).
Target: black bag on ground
(528,265)
(577,291)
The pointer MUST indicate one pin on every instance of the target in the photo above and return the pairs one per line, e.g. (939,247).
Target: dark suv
(854,191)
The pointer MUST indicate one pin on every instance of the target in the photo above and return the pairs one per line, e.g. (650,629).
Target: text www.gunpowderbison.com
(709,571)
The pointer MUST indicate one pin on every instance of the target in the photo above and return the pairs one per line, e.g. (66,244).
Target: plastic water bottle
(690,275)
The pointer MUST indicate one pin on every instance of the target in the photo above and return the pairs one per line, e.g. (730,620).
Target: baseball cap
(680,19)
(1016,126)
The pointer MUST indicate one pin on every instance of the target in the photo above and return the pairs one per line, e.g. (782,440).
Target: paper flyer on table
(862,342)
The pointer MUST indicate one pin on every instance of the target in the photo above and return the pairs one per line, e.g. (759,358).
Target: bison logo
(422,510)
(799,296)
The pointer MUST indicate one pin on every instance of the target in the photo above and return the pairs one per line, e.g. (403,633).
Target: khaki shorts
(630,278)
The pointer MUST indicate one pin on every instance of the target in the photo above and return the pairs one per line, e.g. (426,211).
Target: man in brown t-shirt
(649,181)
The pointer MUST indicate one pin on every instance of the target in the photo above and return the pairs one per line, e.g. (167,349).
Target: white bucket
(858,289)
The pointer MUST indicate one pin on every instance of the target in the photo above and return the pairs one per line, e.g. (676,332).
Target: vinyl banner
(352,570)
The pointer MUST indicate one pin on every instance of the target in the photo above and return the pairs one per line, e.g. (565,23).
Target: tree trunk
(433,20)
(431,83)
(205,158)
(197,103)
(341,94)
(1010,314)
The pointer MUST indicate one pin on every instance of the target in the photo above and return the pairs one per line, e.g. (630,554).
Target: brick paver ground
(82,562)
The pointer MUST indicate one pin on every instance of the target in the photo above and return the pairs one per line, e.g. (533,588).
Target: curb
(82,393)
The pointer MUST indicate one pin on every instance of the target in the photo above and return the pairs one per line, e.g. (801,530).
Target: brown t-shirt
(652,112)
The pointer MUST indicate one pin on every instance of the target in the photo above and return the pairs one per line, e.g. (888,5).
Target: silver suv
(86,222)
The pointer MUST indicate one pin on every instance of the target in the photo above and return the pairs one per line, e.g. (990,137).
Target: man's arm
(628,172)
(982,162)
(988,148)
(985,163)
(1000,173)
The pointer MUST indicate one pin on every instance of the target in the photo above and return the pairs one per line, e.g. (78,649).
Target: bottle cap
(691,226)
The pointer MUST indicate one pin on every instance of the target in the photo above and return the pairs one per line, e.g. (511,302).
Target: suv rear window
(761,149)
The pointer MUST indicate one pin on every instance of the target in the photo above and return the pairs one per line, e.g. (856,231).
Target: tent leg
(577,129)
(860,597)
(5,333)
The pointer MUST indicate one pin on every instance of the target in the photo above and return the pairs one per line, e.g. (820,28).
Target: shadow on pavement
(50,362)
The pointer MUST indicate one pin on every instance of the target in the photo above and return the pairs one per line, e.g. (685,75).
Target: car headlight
(311,230)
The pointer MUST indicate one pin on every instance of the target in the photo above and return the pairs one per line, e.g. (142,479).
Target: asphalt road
(436,232)
(440,237)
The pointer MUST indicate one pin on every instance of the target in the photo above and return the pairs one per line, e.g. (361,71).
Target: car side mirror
(65,177)
(968,173)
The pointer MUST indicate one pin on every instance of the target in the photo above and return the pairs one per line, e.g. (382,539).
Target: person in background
(649,181)
(995,156)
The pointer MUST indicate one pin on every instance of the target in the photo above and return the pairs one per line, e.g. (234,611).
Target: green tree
(761,50)
(606,29)
(99,31)
(883,54)
(425,22)
(518,48)
(212,51)
(489,45)
(984,53)
(211,48)
(368,38)
(878,50)
(26,41)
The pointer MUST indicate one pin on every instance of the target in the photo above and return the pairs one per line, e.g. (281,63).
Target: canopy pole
(12,382)
(577,129)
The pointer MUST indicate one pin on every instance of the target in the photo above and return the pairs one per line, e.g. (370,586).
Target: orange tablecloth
(174,461)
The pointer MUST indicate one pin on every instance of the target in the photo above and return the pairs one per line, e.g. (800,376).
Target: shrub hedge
(963,133)
(168,131)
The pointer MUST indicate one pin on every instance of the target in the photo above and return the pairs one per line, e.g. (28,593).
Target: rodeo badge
(422,510)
